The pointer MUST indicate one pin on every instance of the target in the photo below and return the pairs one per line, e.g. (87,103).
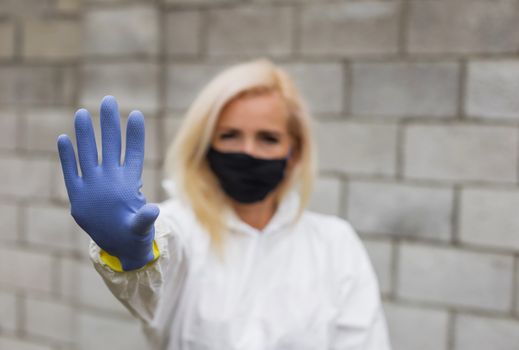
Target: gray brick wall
(417,113)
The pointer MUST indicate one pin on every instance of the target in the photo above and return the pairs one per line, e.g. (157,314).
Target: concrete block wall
(416,106)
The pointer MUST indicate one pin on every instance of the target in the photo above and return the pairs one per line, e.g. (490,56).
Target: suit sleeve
(151,293)
(361,323)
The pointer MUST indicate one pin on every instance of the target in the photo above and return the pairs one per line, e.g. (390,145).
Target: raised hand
(106,200)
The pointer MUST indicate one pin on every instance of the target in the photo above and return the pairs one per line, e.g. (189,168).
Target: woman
(233,261)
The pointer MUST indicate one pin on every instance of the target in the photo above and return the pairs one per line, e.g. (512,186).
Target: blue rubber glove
(106,200)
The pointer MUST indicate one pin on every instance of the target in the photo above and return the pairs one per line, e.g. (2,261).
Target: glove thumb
(144,219)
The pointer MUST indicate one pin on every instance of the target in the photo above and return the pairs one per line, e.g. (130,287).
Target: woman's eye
(227,136)
(270,139)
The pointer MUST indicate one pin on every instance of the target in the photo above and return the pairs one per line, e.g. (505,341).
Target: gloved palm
(106,200)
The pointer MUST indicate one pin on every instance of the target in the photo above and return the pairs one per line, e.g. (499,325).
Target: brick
(381,256)
(9,319)
(461,152)
(9,220)
(95,332)
(24,178)
(198,2)
(357,147)
(326,196)
(95,293)
(9,77)
(351,28)
(400,210)
(185,81)
(183,33)
(321,84)
(84,245)
(517,287)
(25,269)
(33,85)
(481,333)
(134,85)
(412,328)
(56,39)
(152,151)
(68,6)
(455,277)
(170,126)
(50,226)
(26,7)
(137,31)
(397,89)
(69,85)
(69,277)
(488,217)
(151,184)
(463,27)
(7,32)
(250,30)
(82,283)
(60,327)
(58,189)
(18,344)
(102,2)
(493,89)
(286,1)
(43,126)
(8,130)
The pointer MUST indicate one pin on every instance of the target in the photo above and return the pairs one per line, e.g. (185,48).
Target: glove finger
(68,162)
(110,132)
(134,155)
(144,219)
(86,142)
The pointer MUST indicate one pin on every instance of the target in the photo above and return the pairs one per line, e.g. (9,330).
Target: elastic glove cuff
(115,264)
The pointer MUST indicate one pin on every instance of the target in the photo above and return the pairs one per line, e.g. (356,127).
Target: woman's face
(256,124)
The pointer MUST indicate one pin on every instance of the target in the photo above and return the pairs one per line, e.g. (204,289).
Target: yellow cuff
(114,263)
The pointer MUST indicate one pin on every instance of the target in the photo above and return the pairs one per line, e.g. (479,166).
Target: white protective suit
(308,286)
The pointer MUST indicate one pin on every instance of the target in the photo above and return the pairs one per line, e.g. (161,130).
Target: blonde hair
(185,160)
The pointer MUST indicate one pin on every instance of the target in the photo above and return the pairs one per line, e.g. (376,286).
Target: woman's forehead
(260,110)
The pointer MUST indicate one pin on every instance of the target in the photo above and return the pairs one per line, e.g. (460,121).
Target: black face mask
(245,178)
